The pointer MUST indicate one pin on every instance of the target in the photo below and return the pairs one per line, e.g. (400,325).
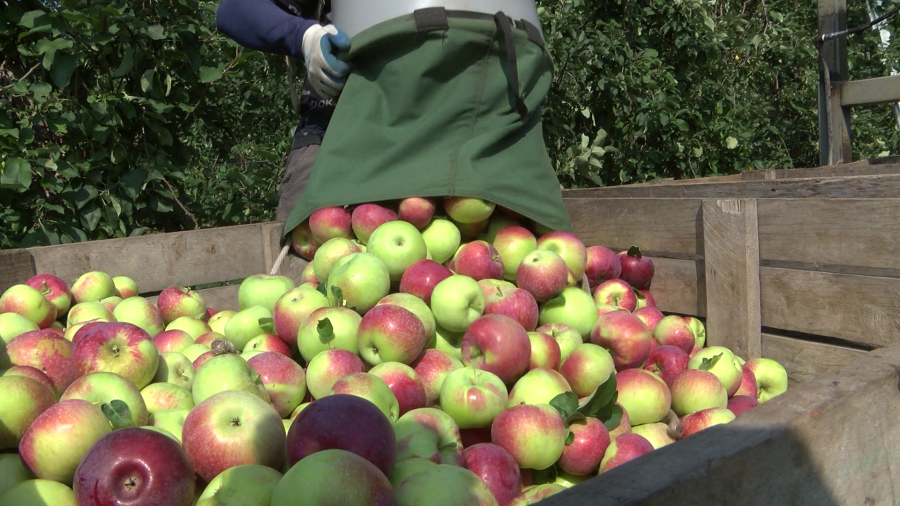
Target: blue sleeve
(262,25)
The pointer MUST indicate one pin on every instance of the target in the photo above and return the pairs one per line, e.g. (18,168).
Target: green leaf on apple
(322,289)
(338,295)
(267,324)
(325,330)
(603,397)
(566,403)
(708,363)
(634,251)
(611,417)
(118,413)
(570,437)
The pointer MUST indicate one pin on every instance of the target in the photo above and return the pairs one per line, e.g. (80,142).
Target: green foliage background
(127,117)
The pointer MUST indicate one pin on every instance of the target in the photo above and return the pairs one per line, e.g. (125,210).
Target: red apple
(498,344)
(543,273)
(327,367)
(517,304)
(497,468)
(417,210)
(534,434)
(667,361)
(54,289)
(478,260)
(404,382)
(625,336)
(650,315)
(365,218)
(120,348)
(602,264)
(177,301)
(302,241)
(569,247)
(330,222)
(284,379)
(695,390)
(644,395)
(583,455)
(390,333)
(737,404)
(616,292)
(637,269)
(432,366)
(748,382)
(46,351)
(705,418)
(167,340)
(421,277)
(624,448)
(675,331)
(33,373)
(544,351)
(268,342)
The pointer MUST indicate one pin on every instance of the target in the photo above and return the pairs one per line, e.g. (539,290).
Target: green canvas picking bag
(441,103)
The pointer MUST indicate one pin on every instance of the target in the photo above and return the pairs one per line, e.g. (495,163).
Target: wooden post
(834,119)
(731,258)
(16,265)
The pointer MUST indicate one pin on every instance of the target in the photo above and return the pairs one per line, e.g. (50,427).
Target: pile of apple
(435,351)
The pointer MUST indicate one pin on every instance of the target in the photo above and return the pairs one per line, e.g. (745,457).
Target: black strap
(505,26)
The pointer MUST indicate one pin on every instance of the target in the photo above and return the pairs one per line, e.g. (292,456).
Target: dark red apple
(421,277)
(497,468)
(602,264)
(740,403)
(517,303)
(637,269)
(497,344)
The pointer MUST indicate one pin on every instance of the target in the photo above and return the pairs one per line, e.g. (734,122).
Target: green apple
(534,434)
(644,395)
(405,468)
(441,238)
(329,328)
(193,326)
(83,312)
(170,420)
(372,388)
(218,321)
(226,372)
(195,350)
(12,471)
(30,303)
(162,396)
(456,302)
(244,485)
(141,312)
(360,279)
(22,399)
(263,290)
(104,387)
(574,307)
(513,243)
(38,493)
(448,342)
(771,378)
(657,433)
(331,477)
(587,367)
(720,361)
(329,253)
(93,286)
(247,324)
(292,309)
(567,336)
(538,386)
(125,286)
(12,325)
(468,209)
(473,397)
(398,244)
(323,371)
(447,485)
(175,368)
(695,390)
(428,433)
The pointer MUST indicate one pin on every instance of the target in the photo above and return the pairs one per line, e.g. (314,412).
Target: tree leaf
(15,174)
(62,68)
(90,217)
(126,64)
(634,251)
(210,74)
(156,32)
(603,397)
(147,80)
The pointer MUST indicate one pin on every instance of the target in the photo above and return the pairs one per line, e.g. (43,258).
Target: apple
(496,468)
(178,301)
(171,420)
(11,326)
(218,321)
(637,269)
(321,479)
(405,468)
(498,344)
(398,244)
(54,289)
(35,374)
(569,247)
(675,331)
(263,290)
(473,397)
(442,238)
(93,286)
(657,434)
(699,420)
(720,361)
(372,388)
(624,426)
(447,342)
(44,350)
(365,218)
(623,449)
(247,324)
(421,277)
(601,264)
(417,210)
(516,303)
(329,253)
(583,455)
(644,394)
(538,386)
(104,387)
(162,396)
(534,493)
(748,383)
(361,280)
(194,351)
(616,292)
(478,260)
(142,313)
(266,342)
(30,303)
(428,433)
(543,273)
(88,311)
(172,340)
(329,328)
(625,336)
(125,286)
(650,316)
(302,241)
(244,485)
(175,368)
(329,366)
(771,378)
(468,209)
(667,361)
(226,373)
(330,222)
(447,485)
(76,422)
(456,302)
(737,404)
(405,384)
(544,351)
(292,309)
(534,434)
(12,471)
(121,348)
(565,335)
(308,275)
(513,244)
(390,333)
(695,390)
(284,380)
(22,400)
(574,307)
(432,367)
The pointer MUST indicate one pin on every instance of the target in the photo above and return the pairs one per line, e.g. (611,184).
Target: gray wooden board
(16,266)
(679,286)
(877,90)
(805,360)
(861,309)
(831,441)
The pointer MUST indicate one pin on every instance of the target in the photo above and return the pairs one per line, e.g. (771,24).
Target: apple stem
(675,430)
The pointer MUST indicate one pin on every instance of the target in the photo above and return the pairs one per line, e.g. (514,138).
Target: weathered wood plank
(831,442)
(732,275)
(16,266)
(805,360)
(878,90)
(861,168)
(679,286)
(853,232)
(860,309)
(673,226)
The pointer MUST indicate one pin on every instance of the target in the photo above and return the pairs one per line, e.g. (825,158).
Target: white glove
(326,71)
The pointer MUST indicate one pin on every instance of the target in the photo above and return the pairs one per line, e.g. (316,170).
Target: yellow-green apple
(442,238)
(498,344)
(644,394)
(111,302)
(587,367)
(231,428)
(330,222)
(500,221)
(320,479)
(141,312)
(418,307)
(637,269)
(737,404)
(496,468)
(104,387)
(58,439)
(473,397)
(33,373)
(543,273)
(246,324)
(22,400)
(329,366)
(650,316)
(125,286)
(622,449)
(590,439)
(428,433)
(12,471)
(456,302)
(625,336)
(398,244)
(771,378)
(44,350)
(172,340)
(445,484)
(534,434)
(420,278)
(207,338)
(720,361)
(248,354)
(513,244)
(675,331)
(544,351)
(302,241)
(345,422)
(358,281)
(516,303)
(39,492)
(178,301)
(448,342)
(417,210)
(162,396)
(118,347)
(535,493)
(565,335)
(365,218)
(244,485)
(537,386)
(226,373)
(175,368)
(694,390)
(569,247)
(478,260)
(468,209)
(136,466)
(667,361)
(292,309)
(308,275)
(93,286)
(267,342)
(390,333)
(403,469)
(171,420)
(699,420)
(372,388)
(29,302)
(471,231)
(601,264)
(218,321)
(748,382)
(328,254)
(194,351)
(262,290)
(88,311)
(657,433)
(329,328)
(11,326)
(404,382)
(54,289)
(616,292)
(490,286)
(432,367)
(284,380)
(574,307)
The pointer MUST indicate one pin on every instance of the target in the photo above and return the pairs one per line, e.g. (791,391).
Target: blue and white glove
(326,71)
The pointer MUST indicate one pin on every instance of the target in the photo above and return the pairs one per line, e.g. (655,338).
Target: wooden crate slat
(853,232)
(805,360)
(16,266)
(861,168)
(160,260)
(679,287)
(876,90)
(861,309)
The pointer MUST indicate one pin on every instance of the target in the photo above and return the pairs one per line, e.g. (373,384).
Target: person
(299,29)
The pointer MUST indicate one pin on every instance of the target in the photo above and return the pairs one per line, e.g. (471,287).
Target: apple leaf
(267,325)
(338,295)
(708,363)
(325,330)
(611,417)
(570,437)
(118,413)
(547,475)
(634,251)
(321,288)
(603,397)
(566,403)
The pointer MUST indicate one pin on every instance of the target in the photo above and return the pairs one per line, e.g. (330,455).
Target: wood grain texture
(731,259)
(877,90)
(805,360)
(861,309)
(16,266)
(832,441)
(679,286)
